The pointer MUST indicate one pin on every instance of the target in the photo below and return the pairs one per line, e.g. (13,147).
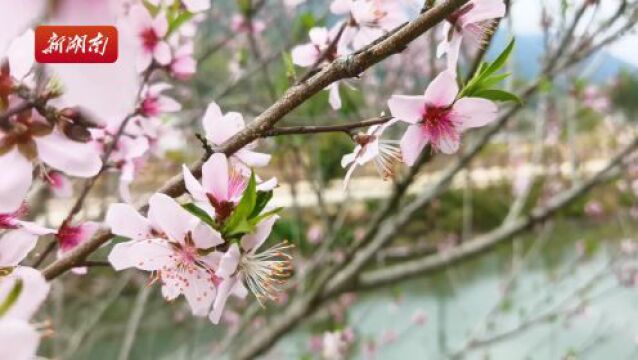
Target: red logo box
(76,44)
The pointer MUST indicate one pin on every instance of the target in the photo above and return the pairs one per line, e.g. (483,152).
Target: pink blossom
(315,234)
(239,23)
(369,19)
(370,147)
(594,209)
(183,65)
(438,118)
(336,344)
(195,6)
(220,127)
(154,103)
(16,17)
(31,139)
(241,267)
(474,20)
(150,33)
(316,53)
(169,243)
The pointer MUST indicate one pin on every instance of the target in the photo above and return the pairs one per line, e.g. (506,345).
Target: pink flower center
(149,39)
(150,106)
(437,123)
(7,221)
(69,237)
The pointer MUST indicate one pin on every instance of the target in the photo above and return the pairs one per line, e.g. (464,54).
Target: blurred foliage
(624,94)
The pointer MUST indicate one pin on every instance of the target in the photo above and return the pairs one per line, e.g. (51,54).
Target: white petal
(15,181)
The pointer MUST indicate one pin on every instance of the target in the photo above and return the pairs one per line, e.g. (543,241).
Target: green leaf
(493,80)
(291,73)
(178,21)
(244,208)
(256,220)
(11,298)
(199,213)
(263,197)
(497,95)
(501,59)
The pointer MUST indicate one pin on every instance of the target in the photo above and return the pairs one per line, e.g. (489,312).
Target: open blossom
(150,33)
(220,127)
(169,243)
(438,118)
(370,147)
(474,20)
(321,50)
(242,266)
(154,103)
(11,221)
(221,188)
(369,19)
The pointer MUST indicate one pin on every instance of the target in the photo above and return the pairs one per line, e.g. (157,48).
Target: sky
(526,19)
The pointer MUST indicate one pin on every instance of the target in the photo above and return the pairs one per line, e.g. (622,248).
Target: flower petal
(15,180)
(193,186)
(475,112)
(305,55)
(34,291)
(407,108)
(215,176)
(442,90)
(15,246)
(253,158)
(251,242)
(73,158)
(447,143)
(125,221)
(200,292)
(412,144)
(148,255)
(19,340)
(205,237)
(162,53)
(166,214)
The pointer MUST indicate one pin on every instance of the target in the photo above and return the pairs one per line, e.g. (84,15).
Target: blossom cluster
(208,249)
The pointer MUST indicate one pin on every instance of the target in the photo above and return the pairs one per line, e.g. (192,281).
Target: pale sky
(526,19)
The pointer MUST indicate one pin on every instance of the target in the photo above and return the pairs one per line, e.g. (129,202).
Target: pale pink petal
(15,245)
(334,98)
(171,286)
(19,340)
(474,112)
(224,290)
(412,144)
(73,158)
(139,17)
(229,262)
(195,6)
(15,180)
(267,185)
(21,55)
(34,291)
(484,10)
(162,53)
(215,176)
(148,255)
(205,237)
(16,17)
(199,291)
(165,213)
(193,186)
(319,36)
(447,143)
(340,7)
(210,120)
(409,109)
(305,55)
(349,158)
(453,51)
(125,221)
(251,242)
(160,24)
(239,290)
(168,104)
(442,90)
(34,228)
(143,61)
(253,158)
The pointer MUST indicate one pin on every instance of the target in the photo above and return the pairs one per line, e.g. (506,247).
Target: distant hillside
(529,48)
